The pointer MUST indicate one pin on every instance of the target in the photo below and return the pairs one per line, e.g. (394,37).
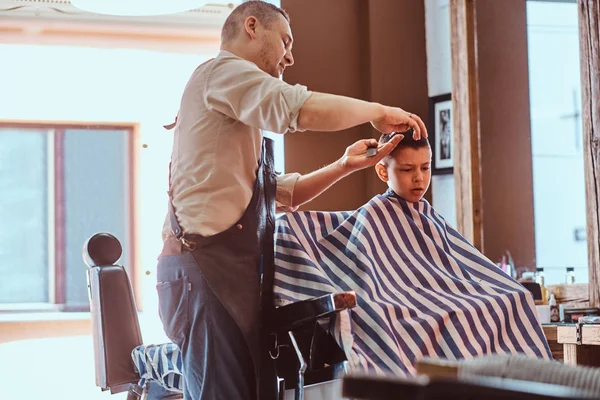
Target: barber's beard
(266,56)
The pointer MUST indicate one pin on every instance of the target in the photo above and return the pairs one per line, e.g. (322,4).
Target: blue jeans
(157,392)
(216,361)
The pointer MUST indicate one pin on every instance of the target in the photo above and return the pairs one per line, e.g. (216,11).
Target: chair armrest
(363,387)
(286,318)
(437,368)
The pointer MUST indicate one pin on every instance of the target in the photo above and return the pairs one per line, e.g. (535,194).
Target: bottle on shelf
(554,313)
(539,276)
(539,279)
(511,268)
(570,275)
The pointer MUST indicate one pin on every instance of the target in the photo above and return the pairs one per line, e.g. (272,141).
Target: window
(60,185)
(557,140)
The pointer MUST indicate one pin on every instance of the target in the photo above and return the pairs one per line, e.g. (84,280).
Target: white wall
(439,81)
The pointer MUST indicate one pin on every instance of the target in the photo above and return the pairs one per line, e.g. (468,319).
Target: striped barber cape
(422,289)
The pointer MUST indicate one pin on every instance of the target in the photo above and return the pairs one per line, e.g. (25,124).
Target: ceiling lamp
(138,7)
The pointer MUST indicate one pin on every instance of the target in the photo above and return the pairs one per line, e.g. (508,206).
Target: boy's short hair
(408,140)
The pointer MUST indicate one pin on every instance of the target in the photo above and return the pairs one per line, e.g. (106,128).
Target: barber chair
(425,388)
(299,349)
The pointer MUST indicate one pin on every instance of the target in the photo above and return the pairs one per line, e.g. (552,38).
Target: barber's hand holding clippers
(357,157)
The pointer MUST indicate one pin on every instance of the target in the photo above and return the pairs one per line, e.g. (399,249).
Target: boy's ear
(381,171)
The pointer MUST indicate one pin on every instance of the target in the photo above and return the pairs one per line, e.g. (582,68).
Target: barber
(223,190)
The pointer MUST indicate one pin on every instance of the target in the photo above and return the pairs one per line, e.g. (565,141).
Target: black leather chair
(423,388)
(115,326)
(298,344)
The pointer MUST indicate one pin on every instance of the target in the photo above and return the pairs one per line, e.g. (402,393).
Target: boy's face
(407,172)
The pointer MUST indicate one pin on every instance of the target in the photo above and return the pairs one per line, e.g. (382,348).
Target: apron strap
(171,125)
(172,217)
(268,245)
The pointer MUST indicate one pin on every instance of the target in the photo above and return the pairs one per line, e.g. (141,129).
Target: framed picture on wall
(440,134)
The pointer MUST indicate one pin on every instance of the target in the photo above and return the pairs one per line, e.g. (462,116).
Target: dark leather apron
(234,260)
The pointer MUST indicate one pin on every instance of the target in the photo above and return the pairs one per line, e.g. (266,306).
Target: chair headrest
(102,249)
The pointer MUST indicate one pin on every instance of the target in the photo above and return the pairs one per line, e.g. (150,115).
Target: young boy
(407,170)
(423,290)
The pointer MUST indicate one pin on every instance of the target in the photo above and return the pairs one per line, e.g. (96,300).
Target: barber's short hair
(264,12)
(408,140)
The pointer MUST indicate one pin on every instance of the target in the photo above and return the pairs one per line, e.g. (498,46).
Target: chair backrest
(115,325)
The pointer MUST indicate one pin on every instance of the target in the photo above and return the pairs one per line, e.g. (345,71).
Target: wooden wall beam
(465,104)
(589,44)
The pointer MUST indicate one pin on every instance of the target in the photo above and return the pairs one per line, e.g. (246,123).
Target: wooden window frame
(57,212)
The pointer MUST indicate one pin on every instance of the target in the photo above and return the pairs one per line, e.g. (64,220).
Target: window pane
(23,216)
(96,165)
(557,140)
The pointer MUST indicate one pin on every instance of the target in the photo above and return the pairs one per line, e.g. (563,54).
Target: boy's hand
(395,119)
(355,157)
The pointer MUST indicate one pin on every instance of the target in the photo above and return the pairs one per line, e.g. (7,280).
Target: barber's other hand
(395,119)
(355,157)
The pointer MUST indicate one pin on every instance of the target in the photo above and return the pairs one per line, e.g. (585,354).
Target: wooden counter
(586,353)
